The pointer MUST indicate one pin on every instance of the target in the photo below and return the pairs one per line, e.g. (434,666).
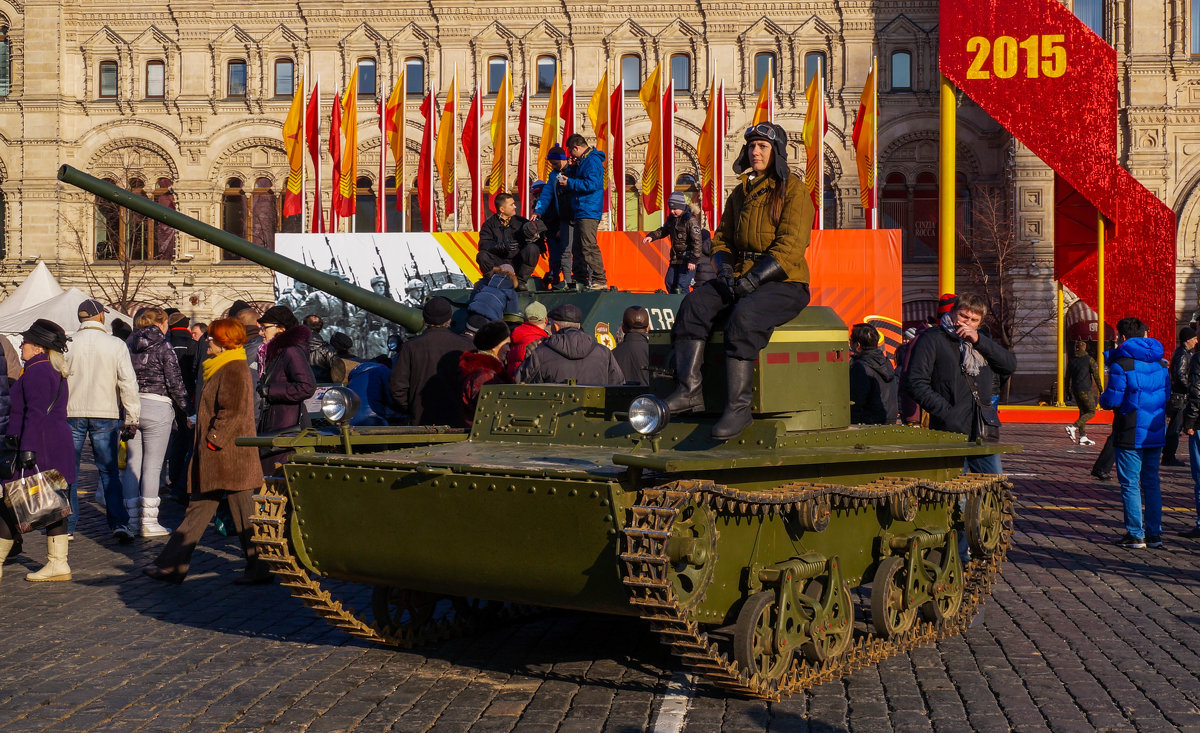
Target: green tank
(801,550)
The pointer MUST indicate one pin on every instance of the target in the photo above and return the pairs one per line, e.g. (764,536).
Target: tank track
(646,571)
(270,520)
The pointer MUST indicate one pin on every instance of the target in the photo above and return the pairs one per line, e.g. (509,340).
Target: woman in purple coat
(38,422)
(286,379)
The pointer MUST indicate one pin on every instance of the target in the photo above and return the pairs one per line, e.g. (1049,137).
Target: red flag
(335,152)
(616,123)
(470,143)
(566,113)
(425,165)
(312,131)
(522,183)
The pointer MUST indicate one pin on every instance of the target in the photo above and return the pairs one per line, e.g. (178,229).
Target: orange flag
(446,142)
(864,143)
(550,127)
(597,110)
(706,153)
(499,132)
(396,130)
(764,111)
(348,179)
(815,126)
(293,145)
(651,96)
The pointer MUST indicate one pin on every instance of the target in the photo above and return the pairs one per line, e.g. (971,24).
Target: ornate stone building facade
(185,103)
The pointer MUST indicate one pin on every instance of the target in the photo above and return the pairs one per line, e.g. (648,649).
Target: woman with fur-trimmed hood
(287,379)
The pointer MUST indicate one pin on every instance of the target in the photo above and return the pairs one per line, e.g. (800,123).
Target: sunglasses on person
(765,129)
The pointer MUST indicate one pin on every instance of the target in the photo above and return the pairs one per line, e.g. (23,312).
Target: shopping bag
(35,500)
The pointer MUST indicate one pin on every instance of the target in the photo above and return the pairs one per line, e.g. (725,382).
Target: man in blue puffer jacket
(584,181)
(1138,388)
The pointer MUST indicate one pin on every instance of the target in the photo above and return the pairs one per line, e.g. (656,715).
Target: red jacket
(475,369)
(522,336)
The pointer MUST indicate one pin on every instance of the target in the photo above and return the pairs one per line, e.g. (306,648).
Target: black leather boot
(739,377)
(689,395)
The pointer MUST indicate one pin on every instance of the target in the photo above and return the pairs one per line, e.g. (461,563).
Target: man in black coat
(952,374)
(1181,362)
(569,353)
(424,381)
(874,391)
(633,353)
(502,242)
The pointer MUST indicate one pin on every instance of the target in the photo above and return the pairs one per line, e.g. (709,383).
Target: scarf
(213,363)
(972,360)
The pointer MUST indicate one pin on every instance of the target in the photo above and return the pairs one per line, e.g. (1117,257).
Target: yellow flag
(651,96)
(813,135)
(394,109)
(551,127)
(597,110)
(499,131)
(762,111)
(447,140)
(293,141)
(348,183)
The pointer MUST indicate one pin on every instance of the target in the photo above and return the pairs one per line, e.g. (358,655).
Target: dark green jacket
(746,226)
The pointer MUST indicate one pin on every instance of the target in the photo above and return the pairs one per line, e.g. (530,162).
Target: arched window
(233,213)
(235,82)
(264,222)
(635,215)
(681,72)
(829,206)
(814,64)
(689,186)
(285,77)
(107,227)
(108,79)
(414,76)
(631,74)
(5,60)
(391,209)
(497,68)
(764,63)
(364,206)
(923,245)
(164,235)
(155,80)
(901,71)
(1091,12)
(547,69)
(366,77)
(139,239)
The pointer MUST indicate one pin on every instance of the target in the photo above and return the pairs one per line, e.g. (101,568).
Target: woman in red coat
(219,468)
(484,365)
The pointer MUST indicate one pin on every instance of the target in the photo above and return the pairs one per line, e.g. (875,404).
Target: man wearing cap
(424,381)
(584,183)
(569,353)
(525,337)
(1181,362)
(502,242)
(683,228)
(100,382)
(554,208)
(633,353)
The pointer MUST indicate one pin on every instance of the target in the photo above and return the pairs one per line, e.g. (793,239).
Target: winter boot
(739,376)
(150,525)
(5,546)
(56,567)
(133,507)
(689,394)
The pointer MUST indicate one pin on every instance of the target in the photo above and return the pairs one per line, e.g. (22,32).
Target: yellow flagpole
(1100,295)
(1060,348)
(947,190)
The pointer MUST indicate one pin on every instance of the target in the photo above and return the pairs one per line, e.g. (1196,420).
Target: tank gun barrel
(410,318)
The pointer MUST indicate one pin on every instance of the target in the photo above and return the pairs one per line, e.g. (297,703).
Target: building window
(155,80)
(829,207)
(681,72)
(547,69)
(901,71)
(391,208)
(366,77)
(264,216)
(631,74)
(364,206)
(139,231)
(108,79)
(164,235)
(414,76)
(5,62)
(764,63)
(635,215)
(1091,12)
(233,213)
(285,77)
(814,64)
(497,67)
(236,80)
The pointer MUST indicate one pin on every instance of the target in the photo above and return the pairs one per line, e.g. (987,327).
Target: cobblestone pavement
(1080,635)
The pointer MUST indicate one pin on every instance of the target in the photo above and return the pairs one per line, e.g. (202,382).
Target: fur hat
(278,315)
(773,134)
(47,334)
(490,335)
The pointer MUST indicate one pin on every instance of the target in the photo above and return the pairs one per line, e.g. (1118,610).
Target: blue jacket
(585,183)
(494,297)
(552,204)
(369,380)
(1138,388)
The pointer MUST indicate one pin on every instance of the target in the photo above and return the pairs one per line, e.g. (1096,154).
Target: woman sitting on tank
(762,278)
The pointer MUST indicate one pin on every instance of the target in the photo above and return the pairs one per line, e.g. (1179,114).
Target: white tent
(39,286)
(40,296)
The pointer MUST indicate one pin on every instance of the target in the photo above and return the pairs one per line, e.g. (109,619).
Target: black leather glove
(128,432)
(11,442)
(765,270)
(724,281)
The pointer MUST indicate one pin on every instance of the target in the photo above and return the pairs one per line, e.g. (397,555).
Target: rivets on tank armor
(604,502)
(552,491)
(533,489)
(608,517)
(594,494)
(573,492)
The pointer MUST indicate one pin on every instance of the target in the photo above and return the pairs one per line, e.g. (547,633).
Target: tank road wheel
(693,553)
(755,644)
(399,608)
(945,567)
(814,514)
(830,632)
(888,613)
(985,522)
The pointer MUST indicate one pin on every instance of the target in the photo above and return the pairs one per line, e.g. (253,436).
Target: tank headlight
(339,404)
(648,414)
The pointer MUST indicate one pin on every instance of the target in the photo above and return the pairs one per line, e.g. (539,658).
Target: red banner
(1047,78)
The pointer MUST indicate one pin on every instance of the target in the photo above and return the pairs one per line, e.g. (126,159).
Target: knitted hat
(773,134)
(437,310)
(278,315)
(490,335)
(47,334)
(946,303)
(341,342)
(535,312)
(677,201)
(556,153)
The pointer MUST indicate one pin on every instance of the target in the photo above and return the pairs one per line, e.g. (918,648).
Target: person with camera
(503,240)
(761,283)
